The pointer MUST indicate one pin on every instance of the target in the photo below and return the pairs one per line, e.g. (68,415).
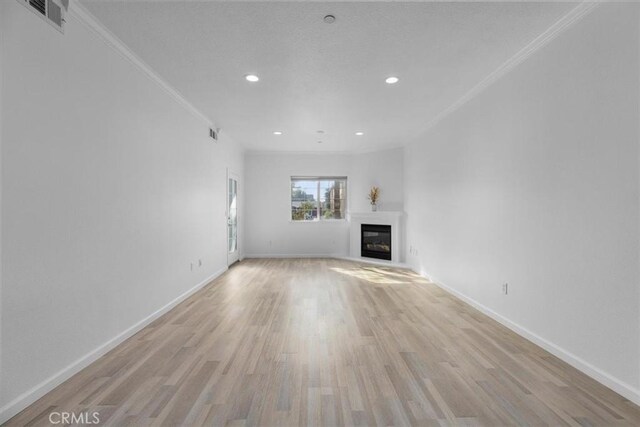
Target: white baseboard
(35,393)
(620,387)
(27,398)
(260,256)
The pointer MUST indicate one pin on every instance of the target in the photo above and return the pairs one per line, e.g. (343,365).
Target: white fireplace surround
(393,218)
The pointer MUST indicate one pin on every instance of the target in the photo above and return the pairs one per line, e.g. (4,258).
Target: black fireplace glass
(376,241)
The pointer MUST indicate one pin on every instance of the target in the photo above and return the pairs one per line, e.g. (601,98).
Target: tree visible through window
(318,198)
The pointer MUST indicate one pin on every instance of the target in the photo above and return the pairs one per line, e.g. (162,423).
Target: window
(318,198)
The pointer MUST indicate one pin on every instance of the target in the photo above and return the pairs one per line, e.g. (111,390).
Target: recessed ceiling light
(329,19)
(252,78)
(277,132)
(359,133)
(391,80)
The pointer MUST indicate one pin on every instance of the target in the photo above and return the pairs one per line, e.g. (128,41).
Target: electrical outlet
(505,289)
(200,263)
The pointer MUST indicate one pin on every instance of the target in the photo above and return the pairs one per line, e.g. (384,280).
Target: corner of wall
(3,15)
(638,105)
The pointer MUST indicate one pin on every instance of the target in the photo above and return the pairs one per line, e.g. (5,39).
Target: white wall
(382,169)
(535,182)
(110,189)
(269,231)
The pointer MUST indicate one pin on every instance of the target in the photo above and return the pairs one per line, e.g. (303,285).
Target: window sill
(317,221)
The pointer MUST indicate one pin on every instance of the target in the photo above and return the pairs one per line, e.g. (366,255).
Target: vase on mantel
(374,207)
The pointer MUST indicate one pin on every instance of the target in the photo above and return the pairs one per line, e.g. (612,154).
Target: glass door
(232,219)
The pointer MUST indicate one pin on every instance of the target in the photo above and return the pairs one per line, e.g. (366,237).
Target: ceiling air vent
(38,5)
(213,134)
(51,11)
(54,12)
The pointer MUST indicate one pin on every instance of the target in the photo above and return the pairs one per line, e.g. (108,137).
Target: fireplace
(376,241)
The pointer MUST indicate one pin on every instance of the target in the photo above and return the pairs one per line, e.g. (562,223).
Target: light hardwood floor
(330,342)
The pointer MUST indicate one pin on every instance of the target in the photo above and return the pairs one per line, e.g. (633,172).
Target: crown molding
(82,15)
(536,44)
(79,12)
(251,152)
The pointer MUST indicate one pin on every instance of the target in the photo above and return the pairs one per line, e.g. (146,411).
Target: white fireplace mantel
(393,218)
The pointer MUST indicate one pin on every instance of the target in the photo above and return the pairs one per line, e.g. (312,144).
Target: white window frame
(319,178)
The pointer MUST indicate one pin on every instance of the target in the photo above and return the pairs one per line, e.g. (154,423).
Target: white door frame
(232,256)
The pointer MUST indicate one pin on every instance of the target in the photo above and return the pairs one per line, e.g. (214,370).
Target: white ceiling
(317,76)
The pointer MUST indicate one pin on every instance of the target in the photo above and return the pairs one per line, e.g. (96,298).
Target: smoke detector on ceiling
(329,19)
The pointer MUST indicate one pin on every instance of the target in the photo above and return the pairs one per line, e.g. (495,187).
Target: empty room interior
(272,213)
